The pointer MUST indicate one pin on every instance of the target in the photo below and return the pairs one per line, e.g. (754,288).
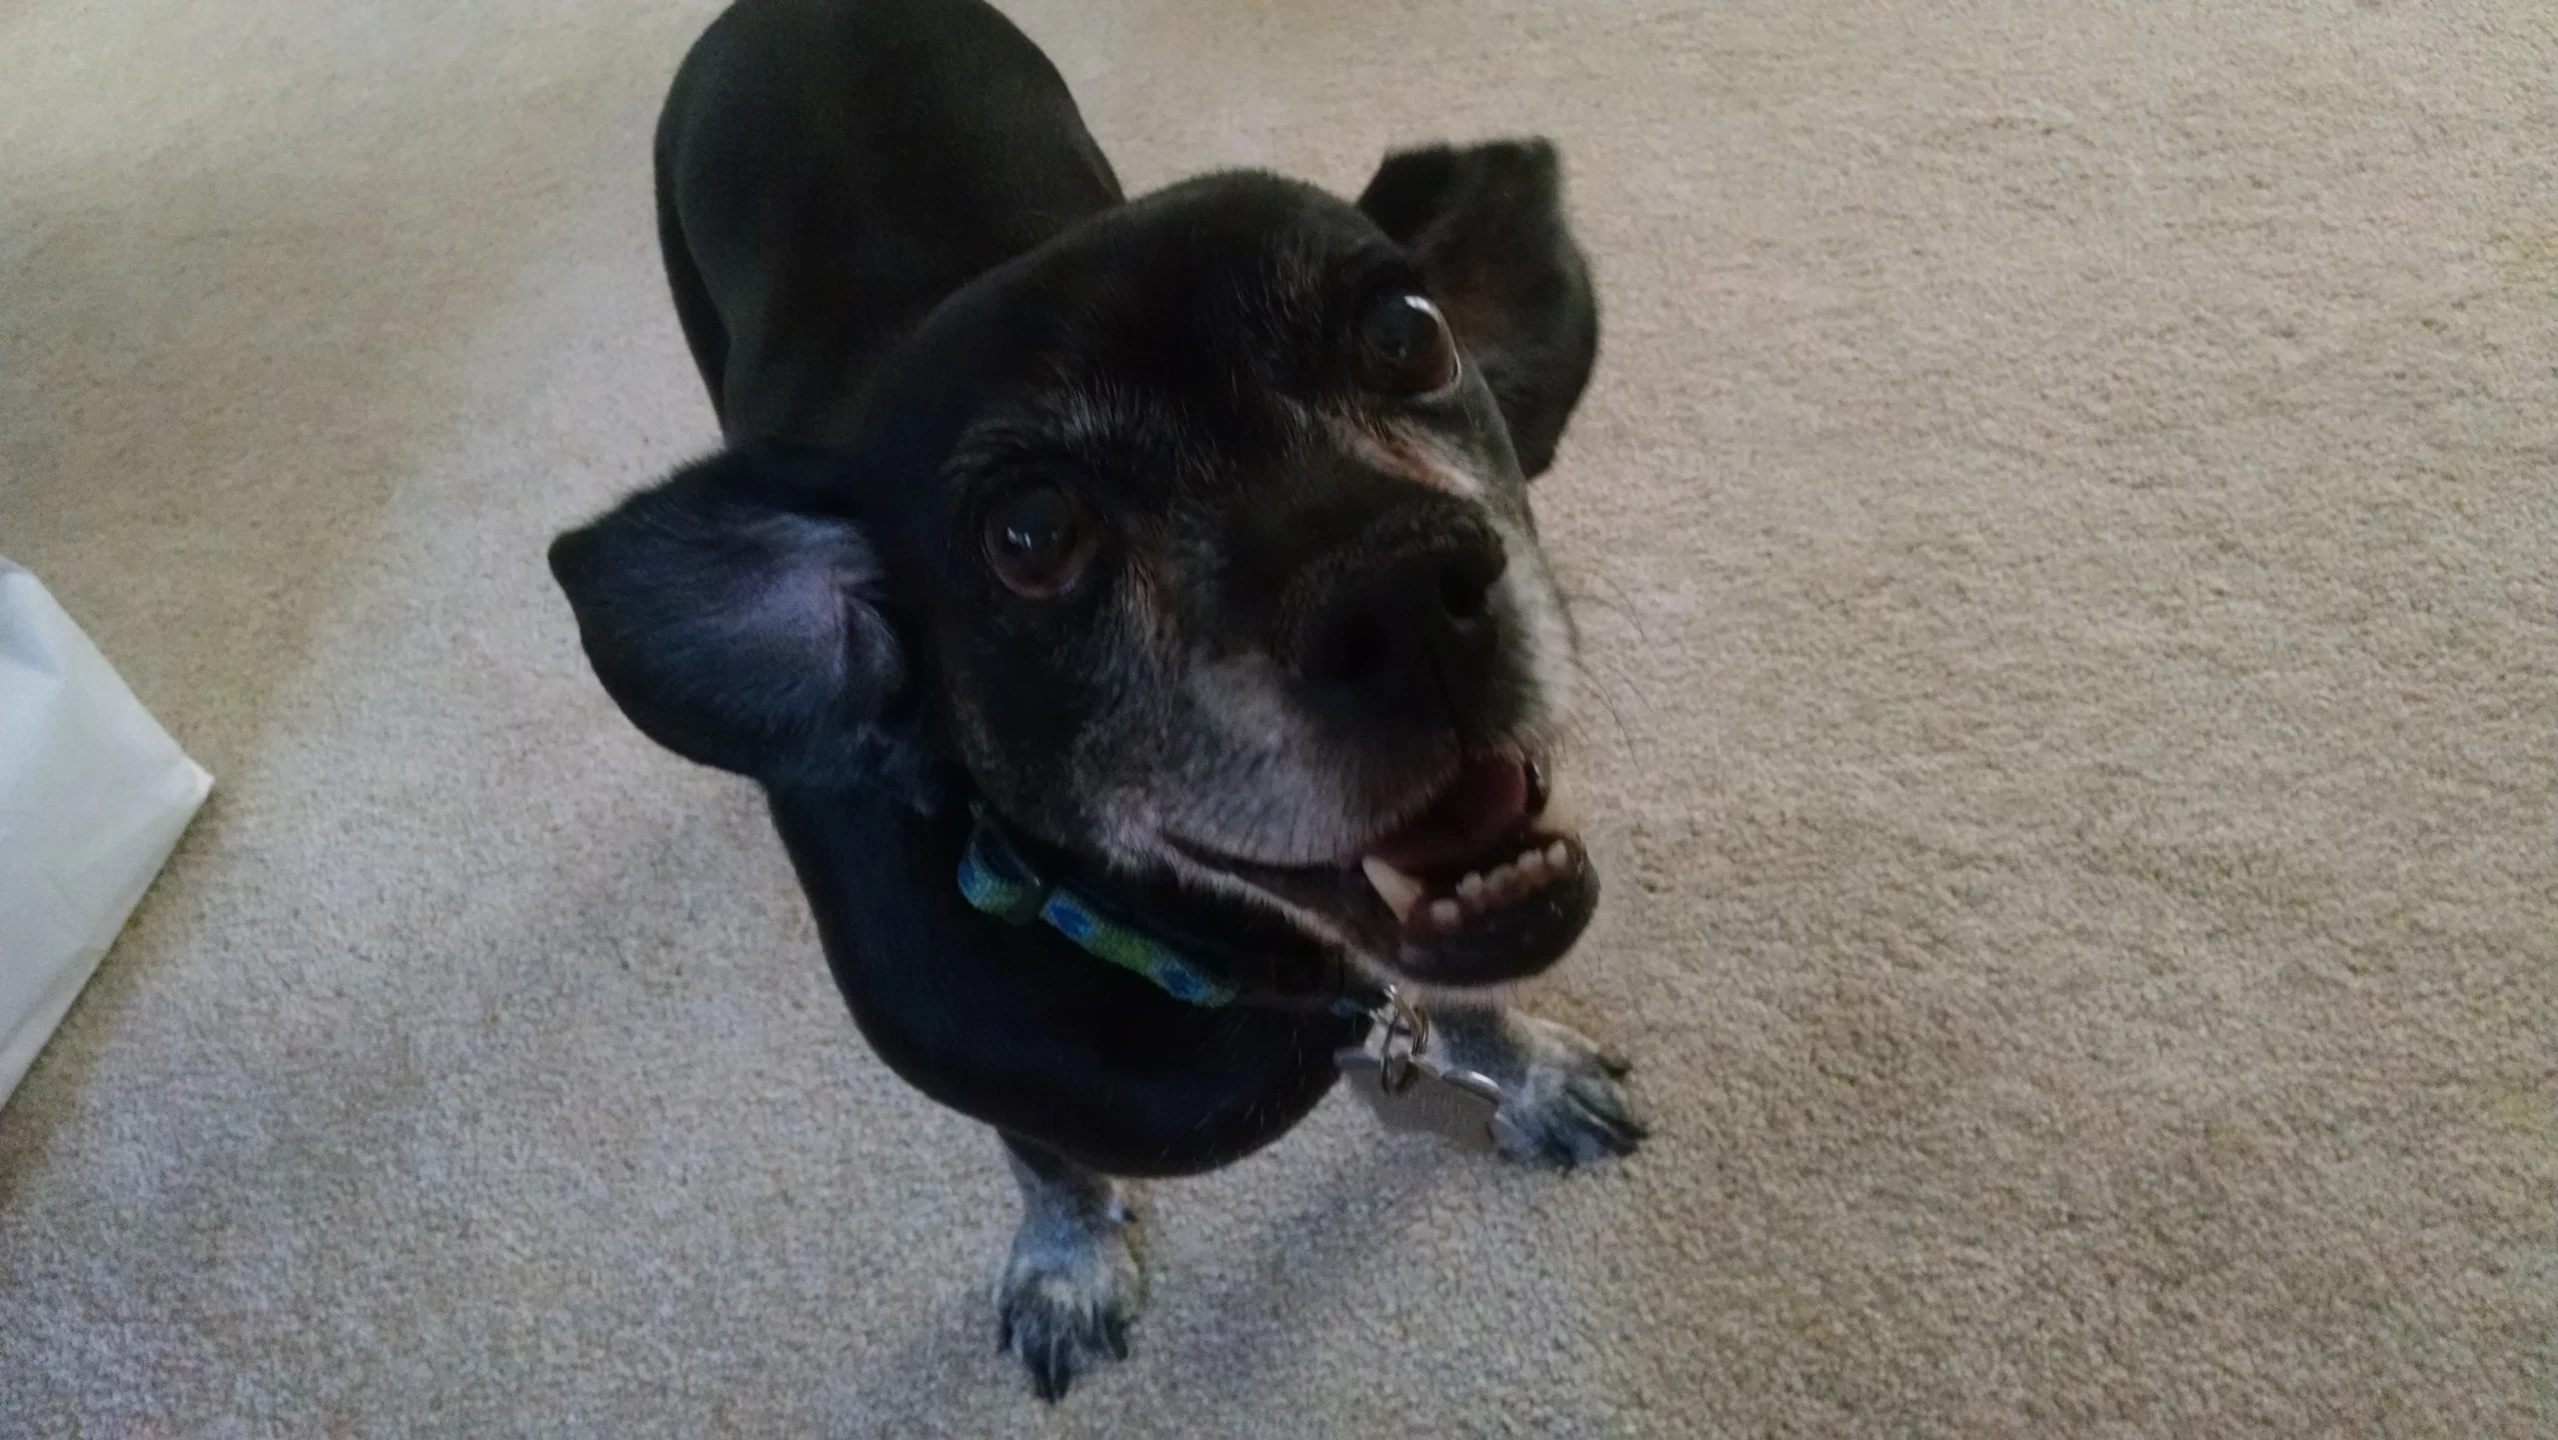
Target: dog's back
(828,170)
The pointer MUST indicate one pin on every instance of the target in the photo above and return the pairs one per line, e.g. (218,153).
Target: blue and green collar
(998,880)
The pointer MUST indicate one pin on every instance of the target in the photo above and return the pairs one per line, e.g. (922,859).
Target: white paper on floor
(93,796)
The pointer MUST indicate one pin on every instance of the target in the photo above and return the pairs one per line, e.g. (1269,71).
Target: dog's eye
(1404,346)
(1039,540)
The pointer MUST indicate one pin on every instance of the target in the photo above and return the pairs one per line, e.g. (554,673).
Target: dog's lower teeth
(1474,894)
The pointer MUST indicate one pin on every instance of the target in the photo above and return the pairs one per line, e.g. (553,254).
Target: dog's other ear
(738,623)
(1485,224)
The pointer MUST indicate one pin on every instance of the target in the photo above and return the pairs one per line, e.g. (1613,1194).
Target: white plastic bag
(93,796)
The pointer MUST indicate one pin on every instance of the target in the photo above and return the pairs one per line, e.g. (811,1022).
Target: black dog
(1159,569)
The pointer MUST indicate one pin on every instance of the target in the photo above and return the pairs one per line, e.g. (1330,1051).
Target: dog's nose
(1404,616)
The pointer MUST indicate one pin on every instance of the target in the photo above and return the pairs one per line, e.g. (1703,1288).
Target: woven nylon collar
(998,880)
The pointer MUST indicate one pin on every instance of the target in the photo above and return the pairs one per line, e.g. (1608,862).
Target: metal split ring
(1407,1033)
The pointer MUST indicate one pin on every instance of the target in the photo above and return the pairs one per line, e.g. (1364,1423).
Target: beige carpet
(2064,524)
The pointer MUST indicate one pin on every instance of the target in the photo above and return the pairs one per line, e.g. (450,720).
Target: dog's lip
(1486,795)
(1486,881)
(1485,800)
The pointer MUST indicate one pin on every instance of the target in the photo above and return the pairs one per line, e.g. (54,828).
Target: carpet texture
(2064,526)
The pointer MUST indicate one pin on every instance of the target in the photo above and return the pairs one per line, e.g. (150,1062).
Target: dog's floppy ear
(1485,224)
(737,620)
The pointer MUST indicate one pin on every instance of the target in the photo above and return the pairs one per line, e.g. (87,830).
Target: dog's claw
(1567,1108)
(1065,1302)
(1053,1371)
(1603,1129)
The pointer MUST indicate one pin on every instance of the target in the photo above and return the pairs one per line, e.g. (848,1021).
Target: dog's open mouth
(1489,882)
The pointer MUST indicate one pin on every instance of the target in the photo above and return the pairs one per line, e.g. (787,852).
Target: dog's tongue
(1486,801)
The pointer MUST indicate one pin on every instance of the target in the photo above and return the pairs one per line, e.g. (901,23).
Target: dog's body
(827,173)
(1177,536)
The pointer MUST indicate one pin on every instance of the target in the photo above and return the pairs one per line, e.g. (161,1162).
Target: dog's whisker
(1617,605)
(1600,686)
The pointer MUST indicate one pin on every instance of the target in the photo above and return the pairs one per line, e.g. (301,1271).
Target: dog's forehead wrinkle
(1132,444)
(1080,410)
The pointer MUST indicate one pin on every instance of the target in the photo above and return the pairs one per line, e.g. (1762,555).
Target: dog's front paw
(1067,1296)
(1565,1105)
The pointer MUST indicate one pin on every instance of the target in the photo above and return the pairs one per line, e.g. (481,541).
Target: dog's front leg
(1563,1102)
(1072,1283)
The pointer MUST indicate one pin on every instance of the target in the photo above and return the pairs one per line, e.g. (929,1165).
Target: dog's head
(1199,538)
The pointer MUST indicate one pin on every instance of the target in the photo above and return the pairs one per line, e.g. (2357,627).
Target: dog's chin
(1487,884)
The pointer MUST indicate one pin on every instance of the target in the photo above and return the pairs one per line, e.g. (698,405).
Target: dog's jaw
(1421,901)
